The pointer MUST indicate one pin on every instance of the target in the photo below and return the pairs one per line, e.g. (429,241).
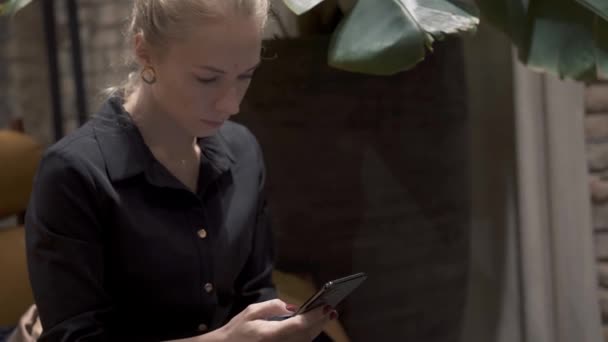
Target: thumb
(271,308)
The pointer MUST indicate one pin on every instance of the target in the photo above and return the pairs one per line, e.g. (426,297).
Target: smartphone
(332,293)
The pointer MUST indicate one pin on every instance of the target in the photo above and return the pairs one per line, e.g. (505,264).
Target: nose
(229,102)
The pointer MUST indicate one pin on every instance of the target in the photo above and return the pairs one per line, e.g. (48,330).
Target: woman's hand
(251,325)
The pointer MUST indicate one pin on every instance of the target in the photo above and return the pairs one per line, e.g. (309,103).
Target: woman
(149,222)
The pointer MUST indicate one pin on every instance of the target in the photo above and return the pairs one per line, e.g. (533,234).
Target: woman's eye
(207,80)
(245,77)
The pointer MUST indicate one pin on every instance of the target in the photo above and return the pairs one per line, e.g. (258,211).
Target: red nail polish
(333,315)
(326,309)
(291,307)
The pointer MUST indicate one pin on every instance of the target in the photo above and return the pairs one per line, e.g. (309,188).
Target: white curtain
(532,271)
(558,273)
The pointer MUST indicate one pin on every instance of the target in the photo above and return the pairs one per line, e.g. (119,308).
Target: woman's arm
(65,252)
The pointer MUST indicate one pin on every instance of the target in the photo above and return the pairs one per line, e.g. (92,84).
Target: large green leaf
(301,6)
(377,37)
(508,16)
(388,36)
(12,6)
(599,7)
(441,17)
(561,39)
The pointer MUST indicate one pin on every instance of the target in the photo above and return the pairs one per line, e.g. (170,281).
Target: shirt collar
(126,154)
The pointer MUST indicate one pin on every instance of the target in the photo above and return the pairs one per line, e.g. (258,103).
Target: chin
(201,130)
(206,132)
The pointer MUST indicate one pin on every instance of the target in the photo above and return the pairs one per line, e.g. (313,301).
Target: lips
(212,123)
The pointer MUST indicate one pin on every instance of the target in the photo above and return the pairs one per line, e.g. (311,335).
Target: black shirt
(119,249)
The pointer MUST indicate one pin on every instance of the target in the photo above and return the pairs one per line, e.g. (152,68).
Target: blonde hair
(163,21)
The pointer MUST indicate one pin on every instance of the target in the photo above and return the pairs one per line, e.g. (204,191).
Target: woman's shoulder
(78,150)
(234,132)
(240,140)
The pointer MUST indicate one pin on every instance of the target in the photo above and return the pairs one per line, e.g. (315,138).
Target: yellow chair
(15,291)
(19,157)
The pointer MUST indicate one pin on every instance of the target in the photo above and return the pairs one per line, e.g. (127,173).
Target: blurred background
(463,167)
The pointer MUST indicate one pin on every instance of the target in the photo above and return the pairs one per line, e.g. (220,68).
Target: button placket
(204,235)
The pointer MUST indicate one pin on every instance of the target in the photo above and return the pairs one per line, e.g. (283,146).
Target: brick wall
(24,79)
(103,48)
(596,127)
(24,73)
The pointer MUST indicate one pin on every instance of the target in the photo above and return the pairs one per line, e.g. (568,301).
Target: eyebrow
(220,71)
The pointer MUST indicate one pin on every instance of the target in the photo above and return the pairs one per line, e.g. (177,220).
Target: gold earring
(148,74)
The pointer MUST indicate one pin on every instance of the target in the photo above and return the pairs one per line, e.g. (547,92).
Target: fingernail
(291,307)
(326,309)
(333,315)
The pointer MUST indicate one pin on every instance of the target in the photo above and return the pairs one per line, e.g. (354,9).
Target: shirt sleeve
(255,281)
(65,253)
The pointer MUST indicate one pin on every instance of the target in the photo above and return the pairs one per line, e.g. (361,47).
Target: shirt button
(208,287)
(202,327)
(202,233)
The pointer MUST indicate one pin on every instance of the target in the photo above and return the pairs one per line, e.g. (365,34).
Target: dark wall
(370,174)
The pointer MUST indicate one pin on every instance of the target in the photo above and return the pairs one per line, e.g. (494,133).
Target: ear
(142,50)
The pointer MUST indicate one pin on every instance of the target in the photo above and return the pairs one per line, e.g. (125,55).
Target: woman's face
(202,79)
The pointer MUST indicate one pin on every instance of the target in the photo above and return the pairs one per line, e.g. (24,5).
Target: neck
(160,132)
